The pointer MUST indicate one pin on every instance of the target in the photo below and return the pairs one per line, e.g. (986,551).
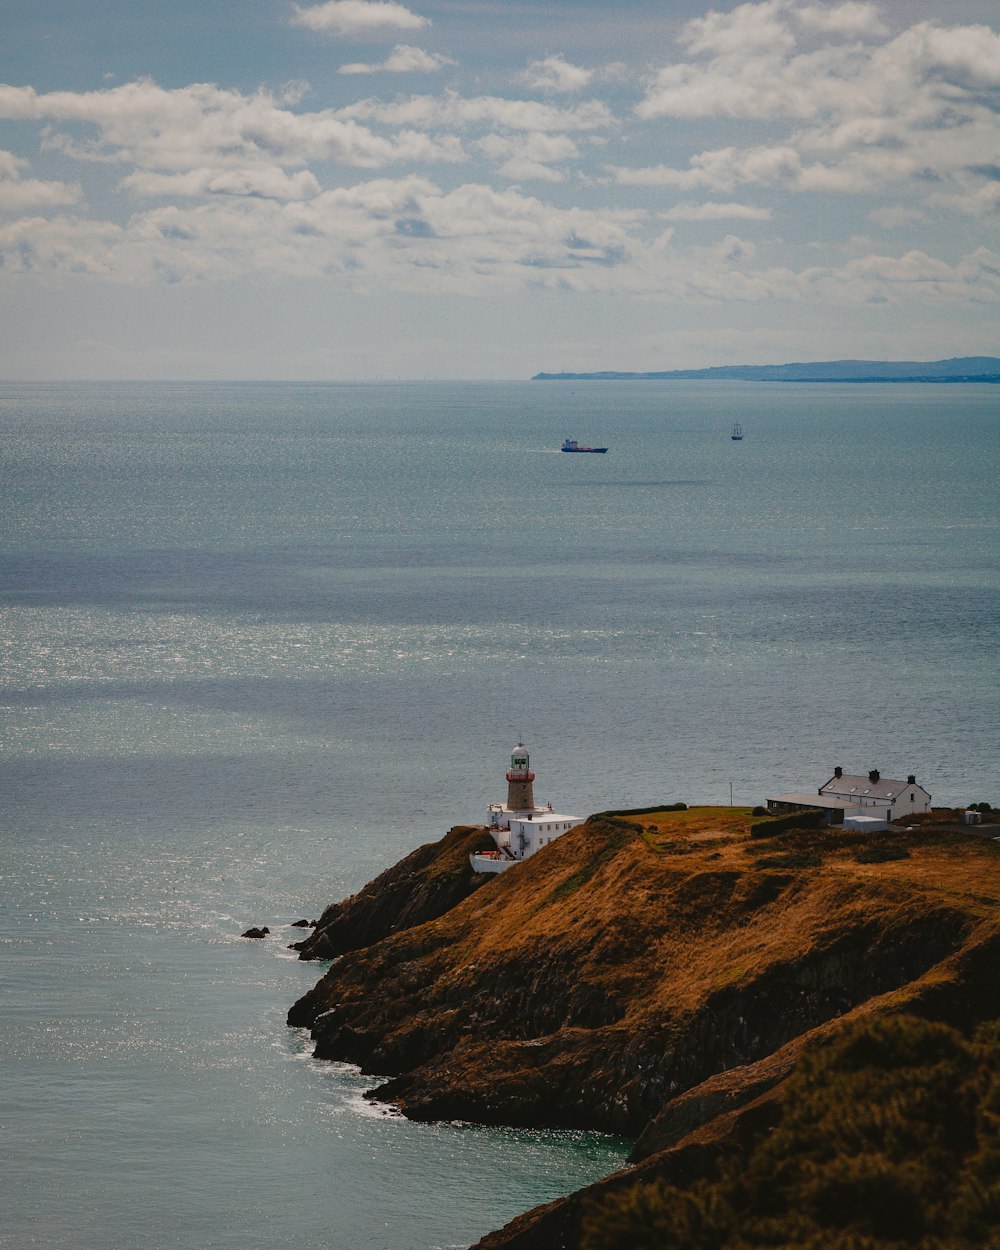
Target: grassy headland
(662,975)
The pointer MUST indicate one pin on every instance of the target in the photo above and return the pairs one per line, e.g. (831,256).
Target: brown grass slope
(609,980)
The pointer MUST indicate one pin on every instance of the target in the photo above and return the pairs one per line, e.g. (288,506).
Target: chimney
(873,776)
(838,771)
(911,780)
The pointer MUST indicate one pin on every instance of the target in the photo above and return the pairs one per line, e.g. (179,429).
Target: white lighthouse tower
(519,828)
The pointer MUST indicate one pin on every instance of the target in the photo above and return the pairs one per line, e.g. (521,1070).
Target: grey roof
(800,799)
(861,786)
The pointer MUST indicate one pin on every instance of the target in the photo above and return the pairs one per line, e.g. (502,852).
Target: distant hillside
(959,369)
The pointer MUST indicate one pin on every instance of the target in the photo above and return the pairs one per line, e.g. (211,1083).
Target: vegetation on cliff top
(889,1136)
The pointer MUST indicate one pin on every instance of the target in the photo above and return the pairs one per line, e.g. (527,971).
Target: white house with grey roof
(853,795)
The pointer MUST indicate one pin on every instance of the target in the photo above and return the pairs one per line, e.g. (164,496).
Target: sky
(369,189)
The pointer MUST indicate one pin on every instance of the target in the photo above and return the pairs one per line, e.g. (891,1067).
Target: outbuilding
(853,794)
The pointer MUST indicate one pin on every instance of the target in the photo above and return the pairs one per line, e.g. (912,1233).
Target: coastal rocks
(427,883)
(256,933)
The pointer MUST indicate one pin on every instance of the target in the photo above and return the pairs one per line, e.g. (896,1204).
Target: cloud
(224,141)
(453,110)
(713,211)
(555,74)
(529,157)
(402,60)
(404,234)
(721,169)
(408,234)
(18,193)
(817,100)
(205,128)
(755,69)
(852,19)
(358,17)
(269,181)
(862,114)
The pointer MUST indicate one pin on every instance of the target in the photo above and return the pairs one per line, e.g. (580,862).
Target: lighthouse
(519,827)
(520,794)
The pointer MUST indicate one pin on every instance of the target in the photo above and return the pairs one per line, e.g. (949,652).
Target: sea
(261,640)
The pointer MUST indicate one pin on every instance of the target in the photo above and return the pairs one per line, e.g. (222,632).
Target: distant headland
(958,369)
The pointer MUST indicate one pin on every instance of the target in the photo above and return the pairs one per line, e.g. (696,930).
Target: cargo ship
(571,444)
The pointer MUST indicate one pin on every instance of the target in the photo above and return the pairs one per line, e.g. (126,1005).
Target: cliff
(428,882)
(659,976)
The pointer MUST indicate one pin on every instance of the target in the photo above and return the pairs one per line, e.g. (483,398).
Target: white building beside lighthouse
(519,827)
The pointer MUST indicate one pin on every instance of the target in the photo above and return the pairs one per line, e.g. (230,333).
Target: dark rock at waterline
(256,933)
(303,924)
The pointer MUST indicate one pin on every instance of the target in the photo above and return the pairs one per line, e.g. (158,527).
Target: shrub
(881,854)
(780,824)
(645,811)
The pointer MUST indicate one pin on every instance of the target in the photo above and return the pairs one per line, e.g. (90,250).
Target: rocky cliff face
(428,882)
(652,975)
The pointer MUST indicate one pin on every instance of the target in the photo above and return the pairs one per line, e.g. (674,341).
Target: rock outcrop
(655,976)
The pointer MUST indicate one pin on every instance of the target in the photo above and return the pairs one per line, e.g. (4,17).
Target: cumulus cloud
(714,211)
(205,128)
(851,18)
(820,100)
(868,111)
(529,157)
(358,17)
(402,60)
(18,193)
(721,169)
(269,181)
(408,234)
(555,74)
(405,234)
(453,110)
(752,66)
